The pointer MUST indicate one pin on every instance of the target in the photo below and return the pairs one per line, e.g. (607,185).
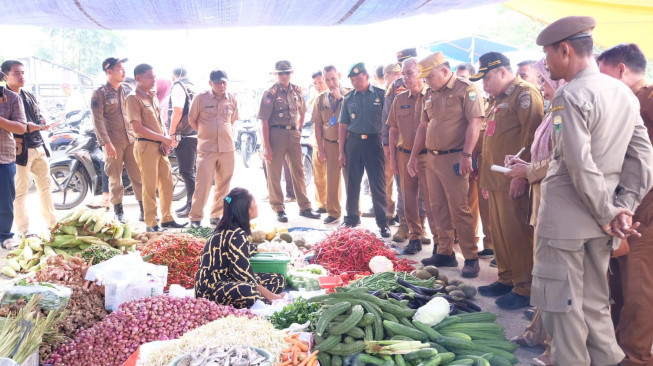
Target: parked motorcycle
(68,130)
(78,170)
(247,140)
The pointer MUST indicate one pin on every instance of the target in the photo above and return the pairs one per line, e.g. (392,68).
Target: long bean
(387,281)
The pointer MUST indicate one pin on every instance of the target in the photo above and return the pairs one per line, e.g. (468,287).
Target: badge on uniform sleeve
(557,123)
(94,103)
(268,101)
(524,99)
(472,96)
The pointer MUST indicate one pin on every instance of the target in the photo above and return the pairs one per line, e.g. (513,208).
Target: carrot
(295,356)
(295,336)
(284,363)
(295,342)
(313,363)
(310,358)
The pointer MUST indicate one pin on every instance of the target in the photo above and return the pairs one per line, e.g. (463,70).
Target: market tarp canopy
(184,14)
(469,49)
(618,21)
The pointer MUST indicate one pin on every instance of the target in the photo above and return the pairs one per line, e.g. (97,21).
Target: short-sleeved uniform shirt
(405,115)
(513,118)
(109,115)
(144,106)
(326,112)
(361,111)
(397,87)
(282,106)
(214,117)
(448,112)
(12,110)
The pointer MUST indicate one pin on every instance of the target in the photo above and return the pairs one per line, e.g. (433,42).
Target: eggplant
(414,304)
(472,305)
(396,296)
(453,310)
(376,293)
(422,298)
(419,289)
(462,306)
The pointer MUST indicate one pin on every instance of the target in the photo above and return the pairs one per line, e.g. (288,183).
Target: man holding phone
(12,120)
(450,124)
(31,152)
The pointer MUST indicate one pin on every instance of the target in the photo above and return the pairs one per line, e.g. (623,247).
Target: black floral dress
(225,274)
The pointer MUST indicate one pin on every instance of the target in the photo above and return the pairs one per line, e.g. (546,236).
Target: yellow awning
(618,21)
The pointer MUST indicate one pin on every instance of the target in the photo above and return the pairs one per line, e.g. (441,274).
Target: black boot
(141,218)
(119,213)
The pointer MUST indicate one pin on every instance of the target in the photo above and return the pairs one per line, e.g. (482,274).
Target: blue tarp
(464,49)
(181,14)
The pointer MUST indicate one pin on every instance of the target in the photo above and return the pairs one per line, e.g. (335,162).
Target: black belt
(444,152)
(333,141)
(410,151)
(363,137)
(293,128)
(148,140)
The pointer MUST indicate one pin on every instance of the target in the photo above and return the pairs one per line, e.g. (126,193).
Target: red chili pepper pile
(350,250)
(180,252)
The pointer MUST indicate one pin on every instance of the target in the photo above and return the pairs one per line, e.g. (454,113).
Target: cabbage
(433,312)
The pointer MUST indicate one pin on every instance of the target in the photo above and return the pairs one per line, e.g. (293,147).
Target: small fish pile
(222,356)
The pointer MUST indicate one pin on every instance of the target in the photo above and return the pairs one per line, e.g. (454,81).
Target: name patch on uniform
(405,106)
(377,101)
(472,96)
(557,123)
(557,108)
(209,106)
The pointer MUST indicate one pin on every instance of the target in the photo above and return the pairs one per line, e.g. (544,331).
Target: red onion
(114,339)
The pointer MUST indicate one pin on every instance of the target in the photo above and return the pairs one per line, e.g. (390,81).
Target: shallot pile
(114,339)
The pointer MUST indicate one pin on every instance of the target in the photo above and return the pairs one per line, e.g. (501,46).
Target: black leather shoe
(154,229)
(493,263)
(184,213)
(195,224)
(330,220)
(471,268)
(442,260)
(513,301)
(321,210)
(281,216)
(413,246)
(486,253)
(214,221)
(309,213)
(495,289)
(385,232)
(183,208)
(119,213)
(173,225)
(529,314)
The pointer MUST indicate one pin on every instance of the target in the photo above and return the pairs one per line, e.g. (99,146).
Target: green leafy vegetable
(298,312)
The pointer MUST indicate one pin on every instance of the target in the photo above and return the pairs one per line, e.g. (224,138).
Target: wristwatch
(467,155)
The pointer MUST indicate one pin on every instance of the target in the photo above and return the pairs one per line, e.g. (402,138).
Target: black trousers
(186,153)
(365,155)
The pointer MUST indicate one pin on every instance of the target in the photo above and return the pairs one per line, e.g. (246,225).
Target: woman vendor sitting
(225,274)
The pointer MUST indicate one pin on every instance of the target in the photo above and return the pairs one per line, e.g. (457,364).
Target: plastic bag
(53,296)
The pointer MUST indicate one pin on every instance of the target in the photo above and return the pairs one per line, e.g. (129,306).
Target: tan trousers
(512,237)
(286,142)
(113,169)
(212,166)
(571,290)
(39,168)
(155,173)
(333,179)
(410,189)
(320,179)
(480,208)
(389,181)
(635,327)
(448,197)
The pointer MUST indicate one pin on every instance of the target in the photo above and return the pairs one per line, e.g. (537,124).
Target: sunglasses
(284,73)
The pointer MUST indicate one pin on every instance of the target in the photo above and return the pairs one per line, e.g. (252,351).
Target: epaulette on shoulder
(298,89)
(273,89)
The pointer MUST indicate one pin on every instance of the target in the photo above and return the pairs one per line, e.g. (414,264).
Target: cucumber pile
(382,332)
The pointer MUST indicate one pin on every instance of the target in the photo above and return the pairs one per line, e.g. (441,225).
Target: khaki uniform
(448,112)
(112,125)
(512,121)
(326,112)
(404,115)
(154,167)
(215,150)
(397,87)
(319,168)
(283,109)
(592,156)
(479,206)
(635,325)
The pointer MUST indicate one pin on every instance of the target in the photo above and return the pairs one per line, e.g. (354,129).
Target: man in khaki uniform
(212,114)
(326,112)
(282,117)
(319,166)
(626,62)
(599,173)
(403,119)
(116,134)
(515,114)
(451,119)
(151,149)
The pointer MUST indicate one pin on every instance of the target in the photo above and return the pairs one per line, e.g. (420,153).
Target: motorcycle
(62,135)
(247,140)
(78,170)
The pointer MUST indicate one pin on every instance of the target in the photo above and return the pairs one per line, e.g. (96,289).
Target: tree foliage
(80,49)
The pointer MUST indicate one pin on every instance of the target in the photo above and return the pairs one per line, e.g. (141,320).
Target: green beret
(356,69)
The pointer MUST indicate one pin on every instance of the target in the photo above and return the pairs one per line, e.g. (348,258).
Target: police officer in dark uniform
(361,148)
